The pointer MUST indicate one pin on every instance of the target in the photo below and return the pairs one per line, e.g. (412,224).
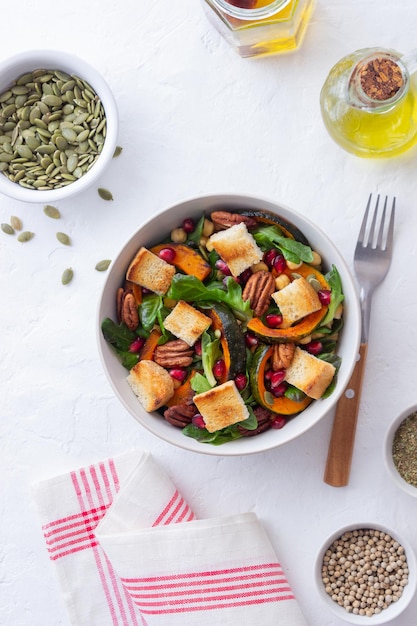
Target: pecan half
(175,353)
(225,219)
(258,290)
(264,423)
(282,355)
(180,415)
(129,311)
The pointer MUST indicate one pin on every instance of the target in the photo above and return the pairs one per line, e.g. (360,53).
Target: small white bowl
(13,68)
(153,232)
(394,609)
(388,459)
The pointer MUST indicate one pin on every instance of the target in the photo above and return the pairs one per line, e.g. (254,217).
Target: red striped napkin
(124,555)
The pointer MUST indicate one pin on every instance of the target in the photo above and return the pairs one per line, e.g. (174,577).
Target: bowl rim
(229,200)
(395,609)
(390,466)
(72,63)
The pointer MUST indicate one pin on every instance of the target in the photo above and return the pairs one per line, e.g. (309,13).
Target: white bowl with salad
(232,329)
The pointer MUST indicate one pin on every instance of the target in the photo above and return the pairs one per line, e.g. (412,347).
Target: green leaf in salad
(118,335)
(199,383)
(293,250)
(337,297)
(150,310)
(210,352)
(121,338)
(191,289)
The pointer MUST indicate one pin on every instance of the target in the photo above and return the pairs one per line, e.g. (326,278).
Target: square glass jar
(260,27)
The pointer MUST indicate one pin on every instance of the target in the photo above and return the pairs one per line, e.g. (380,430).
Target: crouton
(151,272)
(186,322)
(237,247)
(296,300)
(221,406)
(151,383)
(309,374)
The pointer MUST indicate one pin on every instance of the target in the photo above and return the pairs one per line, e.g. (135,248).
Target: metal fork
(372,259)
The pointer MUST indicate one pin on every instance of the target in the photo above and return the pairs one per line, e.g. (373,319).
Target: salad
(229,327)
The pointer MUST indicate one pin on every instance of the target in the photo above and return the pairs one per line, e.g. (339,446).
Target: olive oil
(368,129)
(267,27)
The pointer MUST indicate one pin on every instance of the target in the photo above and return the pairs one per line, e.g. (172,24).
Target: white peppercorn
(364,571)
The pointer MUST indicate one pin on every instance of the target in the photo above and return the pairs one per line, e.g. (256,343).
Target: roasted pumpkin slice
(305,326)
(283,405)
(148,349)
(267,217)
(232,341)
(186,259)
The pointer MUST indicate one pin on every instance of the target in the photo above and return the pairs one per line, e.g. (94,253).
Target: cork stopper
(381,78)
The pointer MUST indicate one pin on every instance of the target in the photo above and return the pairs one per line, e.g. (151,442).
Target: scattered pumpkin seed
(16,222)
(102,266)
(67,276)
(105,194)
(64,239)
(51,211)
(25,236)
(8,229)
(118,151)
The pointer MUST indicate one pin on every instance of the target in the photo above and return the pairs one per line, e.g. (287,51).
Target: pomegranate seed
(270,256)
(251,340)
(279,390)
(276,378)
(219,368)
(167,254)
(178,374)
(324,296)
(314,347)
(241,381)
(222,267)
(273,320)
(136,345)
(278,421)
(188,225)
(244,276)
(280,264)
(146,291)
(268,375)
(198,421)
(197,347)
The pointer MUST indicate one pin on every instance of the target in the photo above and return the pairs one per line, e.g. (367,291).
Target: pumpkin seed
(8,229)
(118,151)
(64,239)
(67,276)
(103,265)
(25,236)
(51,211)
(105,194)
(16,222)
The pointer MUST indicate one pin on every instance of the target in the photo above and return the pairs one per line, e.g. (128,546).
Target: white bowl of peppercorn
(58,126)
(177,229)
(365,573)
(400,450)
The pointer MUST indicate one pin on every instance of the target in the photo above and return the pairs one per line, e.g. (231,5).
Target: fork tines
(376,230)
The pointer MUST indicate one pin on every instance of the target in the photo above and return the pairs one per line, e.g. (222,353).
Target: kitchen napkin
(129,551)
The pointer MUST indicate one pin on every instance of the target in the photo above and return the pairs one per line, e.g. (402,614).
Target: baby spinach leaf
(210,352)
(149,310)
(199,383)
(291,249)
(337,297)
(118,335)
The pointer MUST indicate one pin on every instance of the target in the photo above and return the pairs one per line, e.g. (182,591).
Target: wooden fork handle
(339,456)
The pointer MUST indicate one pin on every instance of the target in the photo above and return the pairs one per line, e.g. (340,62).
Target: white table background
(195,119)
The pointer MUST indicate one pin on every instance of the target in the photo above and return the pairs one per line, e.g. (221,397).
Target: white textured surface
(195,119)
